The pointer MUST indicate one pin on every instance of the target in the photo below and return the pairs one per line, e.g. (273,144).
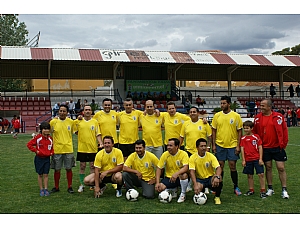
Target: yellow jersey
(152,130)
(173,163)
(106,161)
(227,126)
(129,126)
(88,130)
(145,165)
(108,123)
(62,132)
(192,132)
(204,166)
(173,125)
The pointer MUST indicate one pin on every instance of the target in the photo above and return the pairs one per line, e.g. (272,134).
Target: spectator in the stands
(298,91)
(161,96)
(78,106)
(129,95)
(272,90)
(142,96)
(281,111)
(71,106)
(94,106)
(187,104)
(155,96)
(149,96)
(55,108)
(135,96)
(291,90)
(199,101)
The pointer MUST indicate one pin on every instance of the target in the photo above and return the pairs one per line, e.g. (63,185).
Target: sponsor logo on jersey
(146,164)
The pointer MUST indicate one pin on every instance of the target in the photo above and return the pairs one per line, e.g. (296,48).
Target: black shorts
(127,149)
(85,157)
(276,154)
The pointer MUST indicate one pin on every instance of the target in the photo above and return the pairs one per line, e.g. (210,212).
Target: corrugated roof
(202,58)
(66,54)
(279,60)
(16,53)
(294,59)
(223,59)
(137,56)
(41,53)
(243,59)
(90,55)
(261,60)
(182,57)
(114,55)
(160,57)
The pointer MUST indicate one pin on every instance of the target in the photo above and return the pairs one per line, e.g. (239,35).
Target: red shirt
(251,144)
(16,123)
(270,137)
(42,144)
(298,113)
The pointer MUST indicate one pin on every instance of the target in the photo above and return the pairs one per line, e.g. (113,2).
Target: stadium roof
(211,65)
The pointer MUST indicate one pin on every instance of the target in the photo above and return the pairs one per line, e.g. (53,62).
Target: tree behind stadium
(12,33)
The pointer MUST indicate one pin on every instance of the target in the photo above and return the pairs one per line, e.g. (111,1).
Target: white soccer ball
(200,198)
(165,197)
(132,194)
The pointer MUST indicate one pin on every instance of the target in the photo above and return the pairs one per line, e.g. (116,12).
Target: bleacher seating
(29,108)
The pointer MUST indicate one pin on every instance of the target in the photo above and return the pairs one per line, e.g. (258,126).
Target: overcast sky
(230,33)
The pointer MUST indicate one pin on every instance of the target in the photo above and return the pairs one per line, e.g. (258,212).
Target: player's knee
(184,176)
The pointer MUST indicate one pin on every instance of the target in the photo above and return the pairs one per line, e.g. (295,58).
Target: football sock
(270,186)
(56,179)
(262,190)
(284,189)
(184,184)
(69,178)
(251,189)
(234,178)
(81,178)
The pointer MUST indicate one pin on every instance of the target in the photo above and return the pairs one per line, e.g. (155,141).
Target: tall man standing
(272,129)
(226,134)
(62,131)
(151,125)
(88,135)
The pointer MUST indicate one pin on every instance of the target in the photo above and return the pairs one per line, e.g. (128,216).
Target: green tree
(288,51)
(12,33)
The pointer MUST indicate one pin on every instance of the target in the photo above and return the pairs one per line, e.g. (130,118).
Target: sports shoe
(284,195)
(118,193)
(102,190)
(237,191)
(249,193)
(217,200)
(263,195)
(181,198)
(173,191)
(270,192)
(206,191)
(70,190)
(189,188)
(46,192)
(42,193)
(53,190)
(81,188)
(92,188)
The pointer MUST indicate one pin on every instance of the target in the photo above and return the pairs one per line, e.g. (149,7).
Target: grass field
(19,192)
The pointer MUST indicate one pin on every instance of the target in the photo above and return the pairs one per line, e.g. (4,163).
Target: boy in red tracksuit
(42,146)
(16,125)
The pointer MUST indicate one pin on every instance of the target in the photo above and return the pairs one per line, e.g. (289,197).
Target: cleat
(70,190)
(118,193)
(53,190)
(284,195)
(189,188)
(42,193)
(114,186)
(270,192)
(237,191)
(206,191)
(81,188)
(263,195)
(46,192)
(103,189)
(92,188)
(217,200)
(181,198)
(249,193)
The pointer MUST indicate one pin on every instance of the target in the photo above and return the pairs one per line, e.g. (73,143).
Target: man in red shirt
(298,115)
(16,125)
(4,124)
(272,129)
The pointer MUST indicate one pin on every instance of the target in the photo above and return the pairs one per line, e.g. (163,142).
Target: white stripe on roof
(279,60)
(16,53)
(203,58)
(243,59)
(66,54)
(160,57)
(114,55)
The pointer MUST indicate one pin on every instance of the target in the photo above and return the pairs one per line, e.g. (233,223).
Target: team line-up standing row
(145,160)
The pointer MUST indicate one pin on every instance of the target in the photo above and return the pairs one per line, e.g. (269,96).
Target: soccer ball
(200,198)
(132,195)
(165,197)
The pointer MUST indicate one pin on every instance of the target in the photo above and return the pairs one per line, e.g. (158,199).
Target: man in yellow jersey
(139,170)
(129,127)
(62,131)
(88,135)
(173,122)
(108,166)
(175,162)
(226,134)
(107,119)
(205,170)
(151,125)
(193,130)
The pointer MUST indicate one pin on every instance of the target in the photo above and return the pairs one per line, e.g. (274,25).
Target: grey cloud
(147,43)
